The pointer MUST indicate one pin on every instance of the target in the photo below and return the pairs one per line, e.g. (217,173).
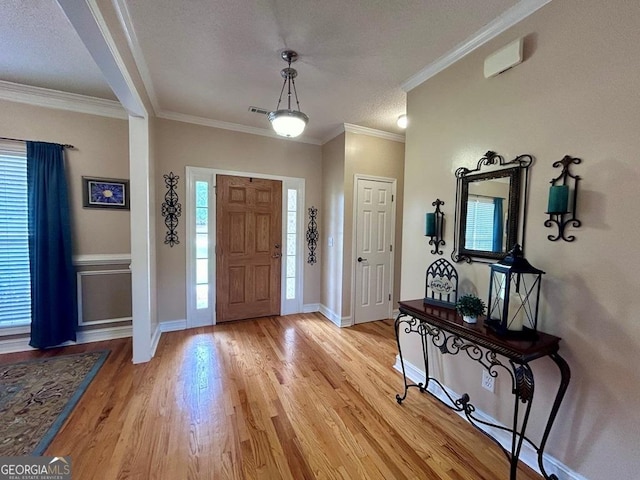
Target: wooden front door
(248,250)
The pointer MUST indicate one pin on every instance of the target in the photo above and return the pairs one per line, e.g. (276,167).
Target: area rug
(37,396)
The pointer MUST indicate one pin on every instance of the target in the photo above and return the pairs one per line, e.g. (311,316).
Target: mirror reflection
(486,220)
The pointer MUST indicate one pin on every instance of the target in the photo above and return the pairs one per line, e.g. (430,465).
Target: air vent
(258,110)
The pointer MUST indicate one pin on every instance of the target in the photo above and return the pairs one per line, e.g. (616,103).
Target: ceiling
(212,59)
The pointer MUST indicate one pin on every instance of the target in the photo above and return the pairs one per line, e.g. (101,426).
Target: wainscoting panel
(104,289)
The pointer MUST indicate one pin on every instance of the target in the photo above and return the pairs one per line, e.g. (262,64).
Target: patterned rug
(37,396)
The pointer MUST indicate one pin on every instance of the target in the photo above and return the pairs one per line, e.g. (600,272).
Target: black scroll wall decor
(171,209)
(312,235)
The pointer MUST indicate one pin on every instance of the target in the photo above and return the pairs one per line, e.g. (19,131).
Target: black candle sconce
(434,227)
(563,200)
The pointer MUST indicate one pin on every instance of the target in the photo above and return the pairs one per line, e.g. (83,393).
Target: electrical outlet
(488,382)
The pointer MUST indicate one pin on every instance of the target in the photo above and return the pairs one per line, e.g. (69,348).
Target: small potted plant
(470,306)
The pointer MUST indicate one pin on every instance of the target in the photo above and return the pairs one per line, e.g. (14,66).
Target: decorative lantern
(514,294)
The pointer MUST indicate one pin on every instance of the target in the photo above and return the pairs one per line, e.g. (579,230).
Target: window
(202,245)
(15,282)
(200,257)
(479,228)
(290,251)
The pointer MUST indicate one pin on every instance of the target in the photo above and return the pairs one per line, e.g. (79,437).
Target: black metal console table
(450,334)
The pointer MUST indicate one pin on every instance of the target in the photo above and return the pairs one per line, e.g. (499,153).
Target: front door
(374,227)
(248,252)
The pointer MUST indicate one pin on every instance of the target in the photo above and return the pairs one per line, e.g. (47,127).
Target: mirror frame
(517,170)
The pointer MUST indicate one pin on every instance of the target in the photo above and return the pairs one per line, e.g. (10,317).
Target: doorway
(248,247)
(201,242)
(374,209)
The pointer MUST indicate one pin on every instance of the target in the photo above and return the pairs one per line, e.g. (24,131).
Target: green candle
(558,199)
(430,220)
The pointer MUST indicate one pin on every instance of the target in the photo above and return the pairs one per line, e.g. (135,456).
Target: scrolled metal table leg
(400,398)
(523,389)
(565,377)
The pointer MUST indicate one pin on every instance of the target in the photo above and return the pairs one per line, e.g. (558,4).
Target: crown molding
(236,127)
(334,133)
(45,97)
(506,20)
(372,132)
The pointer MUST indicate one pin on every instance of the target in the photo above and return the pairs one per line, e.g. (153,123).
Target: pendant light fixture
(287,122)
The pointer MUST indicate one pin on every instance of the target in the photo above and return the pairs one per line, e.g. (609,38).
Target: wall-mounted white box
(505,58)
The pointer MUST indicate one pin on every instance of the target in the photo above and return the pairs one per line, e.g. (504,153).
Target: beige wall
(367,155)
(343,157)
(332,223)
(576,93)
(102,150)
(181,144)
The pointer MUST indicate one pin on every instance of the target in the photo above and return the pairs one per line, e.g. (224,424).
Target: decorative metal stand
(443,329)
(437,240)
(312,235)
(441,284)
(562,219)
(171,209)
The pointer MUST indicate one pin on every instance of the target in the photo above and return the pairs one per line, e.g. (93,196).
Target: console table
(446,331)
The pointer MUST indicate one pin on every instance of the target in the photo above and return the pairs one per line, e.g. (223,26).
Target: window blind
(15,284)
(479,228)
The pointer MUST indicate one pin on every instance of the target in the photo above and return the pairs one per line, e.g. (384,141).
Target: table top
(449,320)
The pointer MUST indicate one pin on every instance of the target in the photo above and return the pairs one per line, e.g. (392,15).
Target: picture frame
(109,193)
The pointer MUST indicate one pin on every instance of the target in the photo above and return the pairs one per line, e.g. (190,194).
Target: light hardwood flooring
(290,397)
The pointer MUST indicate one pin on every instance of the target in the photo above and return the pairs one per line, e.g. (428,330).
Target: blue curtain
(498,224)
(54,313)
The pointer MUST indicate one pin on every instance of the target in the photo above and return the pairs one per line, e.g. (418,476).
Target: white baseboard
(330,314)
(528,454)
(86,336)
(167,326)
(172,325)
(395,313)
(334,317)
(155,339)
(311,307)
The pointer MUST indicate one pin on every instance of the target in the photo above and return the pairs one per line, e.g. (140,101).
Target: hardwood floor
(274,398)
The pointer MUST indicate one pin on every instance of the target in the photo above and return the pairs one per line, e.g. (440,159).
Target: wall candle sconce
(434,227)
(563,200)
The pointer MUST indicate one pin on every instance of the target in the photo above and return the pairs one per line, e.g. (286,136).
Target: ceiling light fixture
(403,121)
(287,122)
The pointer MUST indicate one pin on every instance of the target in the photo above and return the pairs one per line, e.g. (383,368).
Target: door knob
(360,259)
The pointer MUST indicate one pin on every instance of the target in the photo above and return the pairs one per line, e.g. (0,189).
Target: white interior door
(373,252)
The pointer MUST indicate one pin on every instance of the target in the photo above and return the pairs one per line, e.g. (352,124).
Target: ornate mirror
(489,208)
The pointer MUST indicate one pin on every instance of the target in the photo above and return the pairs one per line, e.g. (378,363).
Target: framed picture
(105,193)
